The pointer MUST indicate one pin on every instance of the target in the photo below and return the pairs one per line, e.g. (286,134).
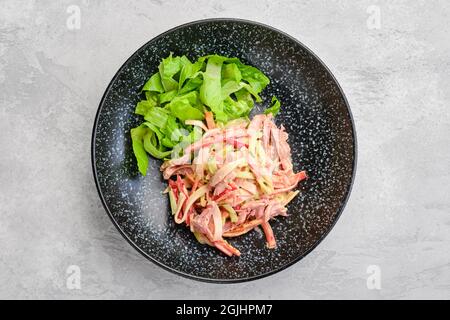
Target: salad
(227,174)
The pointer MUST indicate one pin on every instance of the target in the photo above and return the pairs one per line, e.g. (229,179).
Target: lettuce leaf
(255,78)
(157,116)
(183,110)
(137,137)
(236,109)
(172,130)
(229,87)
(231,72)
(154,84)
(155,129)
(167,96)
(143,107)
(190,71)
(274,106)
(150,145)
(211,88)
(192,84)
(168,68)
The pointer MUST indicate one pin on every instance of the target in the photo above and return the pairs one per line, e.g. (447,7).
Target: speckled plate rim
(198,278)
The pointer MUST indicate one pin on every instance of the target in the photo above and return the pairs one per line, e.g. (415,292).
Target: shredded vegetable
(244,189)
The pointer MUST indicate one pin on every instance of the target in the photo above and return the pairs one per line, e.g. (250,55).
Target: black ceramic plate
(314,112)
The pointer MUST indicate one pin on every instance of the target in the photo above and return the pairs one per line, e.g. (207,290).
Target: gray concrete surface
(396,78)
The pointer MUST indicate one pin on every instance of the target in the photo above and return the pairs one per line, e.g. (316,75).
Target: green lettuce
(184,90)
(154,84)
(274,106)
(137,137)
(211,88)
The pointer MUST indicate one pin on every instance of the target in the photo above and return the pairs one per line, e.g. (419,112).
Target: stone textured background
(396,79)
